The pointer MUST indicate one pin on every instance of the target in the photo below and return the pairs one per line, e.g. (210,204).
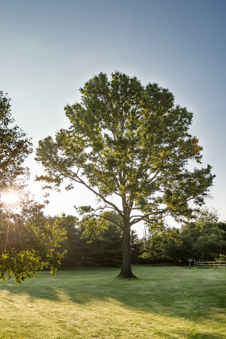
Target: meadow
(165,302)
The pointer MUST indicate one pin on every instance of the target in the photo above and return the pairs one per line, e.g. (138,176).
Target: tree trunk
(126,271)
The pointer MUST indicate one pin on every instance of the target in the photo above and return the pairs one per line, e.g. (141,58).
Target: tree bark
(126,271)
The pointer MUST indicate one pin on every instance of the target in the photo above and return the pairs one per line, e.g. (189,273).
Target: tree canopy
(131,142)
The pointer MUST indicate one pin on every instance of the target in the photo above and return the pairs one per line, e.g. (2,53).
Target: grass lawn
(165,302)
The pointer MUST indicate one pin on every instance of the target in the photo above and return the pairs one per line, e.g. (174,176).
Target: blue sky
(50,48)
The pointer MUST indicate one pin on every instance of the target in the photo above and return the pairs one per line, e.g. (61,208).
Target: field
(165,302)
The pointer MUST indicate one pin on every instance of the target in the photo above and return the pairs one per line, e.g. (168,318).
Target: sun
(10,198)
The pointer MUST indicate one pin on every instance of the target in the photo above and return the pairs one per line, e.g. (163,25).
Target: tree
(158,242)
(107,247)
(128,141)
(136,247)
(86,250)
(204,238)
(14,147)
(28,242)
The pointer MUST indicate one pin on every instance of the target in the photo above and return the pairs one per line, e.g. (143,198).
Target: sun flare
(10,198)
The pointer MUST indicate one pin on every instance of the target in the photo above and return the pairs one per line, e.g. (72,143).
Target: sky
(50,48)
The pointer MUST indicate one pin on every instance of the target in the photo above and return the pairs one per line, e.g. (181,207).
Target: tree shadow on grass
(193,295)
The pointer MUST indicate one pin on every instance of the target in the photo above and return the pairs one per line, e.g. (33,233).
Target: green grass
(165,302)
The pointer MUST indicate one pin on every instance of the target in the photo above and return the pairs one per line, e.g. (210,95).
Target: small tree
(128,141)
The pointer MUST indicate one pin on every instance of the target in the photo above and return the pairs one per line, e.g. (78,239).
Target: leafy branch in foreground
(28,241)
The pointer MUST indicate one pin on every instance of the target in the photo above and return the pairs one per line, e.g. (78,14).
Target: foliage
(14,147)
(203,239)
(128,141)
(85,250)
(104,249)
(206,215)
(136,247)
(154,246)
(108,248)
(28,242)
(207,240)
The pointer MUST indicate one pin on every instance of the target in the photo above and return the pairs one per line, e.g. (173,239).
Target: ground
(165,302)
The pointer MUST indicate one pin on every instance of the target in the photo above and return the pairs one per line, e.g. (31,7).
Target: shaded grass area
(165,302)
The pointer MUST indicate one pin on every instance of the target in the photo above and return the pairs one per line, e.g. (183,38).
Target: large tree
(128,141)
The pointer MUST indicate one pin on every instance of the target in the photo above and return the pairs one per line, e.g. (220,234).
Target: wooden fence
(220,264)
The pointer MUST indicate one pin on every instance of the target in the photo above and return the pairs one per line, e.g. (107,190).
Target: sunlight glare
(10,198)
